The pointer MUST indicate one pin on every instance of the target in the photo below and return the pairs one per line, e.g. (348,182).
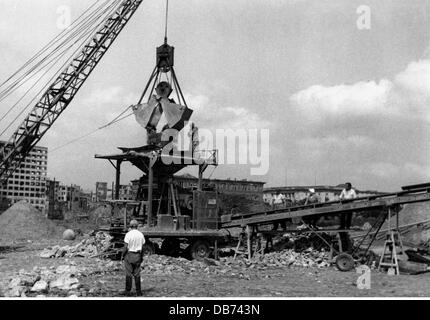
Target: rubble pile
(40,281)
(54,281)
(67,279)
(89,247)
(158,265)
(305,258)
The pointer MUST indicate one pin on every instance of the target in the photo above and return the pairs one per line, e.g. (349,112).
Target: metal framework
(380,201)
(61,92)
(410,194)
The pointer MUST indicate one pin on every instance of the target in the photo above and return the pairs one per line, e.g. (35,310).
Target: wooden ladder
(390,259)
(393,239)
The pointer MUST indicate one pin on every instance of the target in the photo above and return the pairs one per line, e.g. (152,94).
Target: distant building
(101,191)
(62,192)
(222,185)
(126,192)
(236,196)
(298,193)
(28,182)
(69,193)
(52,188)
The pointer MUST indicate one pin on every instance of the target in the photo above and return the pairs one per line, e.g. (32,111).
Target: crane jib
(62,91)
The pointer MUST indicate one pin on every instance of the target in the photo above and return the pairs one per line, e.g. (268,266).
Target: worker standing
(312,198)
(346,218)
(346,194)
(133,254)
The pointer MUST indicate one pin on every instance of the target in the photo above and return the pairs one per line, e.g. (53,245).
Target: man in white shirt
(312,198)
(132,255)
(346,194)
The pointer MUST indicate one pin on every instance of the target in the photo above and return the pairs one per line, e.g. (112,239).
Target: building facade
(126,192)
(62,192)
(28,182)
(222,185)
(236,196)
(101,191)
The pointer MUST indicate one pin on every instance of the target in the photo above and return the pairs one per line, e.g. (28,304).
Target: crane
(62,91)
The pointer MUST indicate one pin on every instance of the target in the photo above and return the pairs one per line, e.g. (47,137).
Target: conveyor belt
(365,203)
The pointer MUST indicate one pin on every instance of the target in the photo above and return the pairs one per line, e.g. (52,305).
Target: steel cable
(90,34)
(80,33)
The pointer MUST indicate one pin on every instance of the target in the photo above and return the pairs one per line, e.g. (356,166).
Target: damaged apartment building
(28,182)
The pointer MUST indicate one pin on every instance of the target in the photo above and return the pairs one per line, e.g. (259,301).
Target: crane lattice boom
(61,92)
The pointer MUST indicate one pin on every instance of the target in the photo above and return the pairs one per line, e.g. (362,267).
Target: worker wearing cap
(132,254)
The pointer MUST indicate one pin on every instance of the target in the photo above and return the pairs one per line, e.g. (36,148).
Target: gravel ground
(249,282)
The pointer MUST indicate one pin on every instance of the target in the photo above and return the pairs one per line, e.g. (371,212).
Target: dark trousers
(132,262)
(311,220)
(345,220)
(345,223)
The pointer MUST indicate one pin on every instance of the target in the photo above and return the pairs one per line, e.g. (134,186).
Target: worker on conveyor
(346,194)
(312,198)
(132,255)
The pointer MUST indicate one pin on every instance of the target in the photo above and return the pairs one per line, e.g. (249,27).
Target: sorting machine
(388,204)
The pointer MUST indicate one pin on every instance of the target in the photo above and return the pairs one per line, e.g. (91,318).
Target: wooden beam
(117,178)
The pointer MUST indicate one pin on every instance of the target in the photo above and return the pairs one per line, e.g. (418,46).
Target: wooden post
(125,217)
(117,179)
(397,221)
(71,197)
(216,250)
(150,186)
(389,219)
(249,242)
(200,182)
(169,200)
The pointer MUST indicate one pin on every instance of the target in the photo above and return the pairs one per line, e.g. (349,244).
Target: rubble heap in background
(23,222)
(89,247)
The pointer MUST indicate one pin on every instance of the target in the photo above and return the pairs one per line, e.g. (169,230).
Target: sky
(341,102)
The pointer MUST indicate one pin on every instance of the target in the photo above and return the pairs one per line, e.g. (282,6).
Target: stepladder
(393,243)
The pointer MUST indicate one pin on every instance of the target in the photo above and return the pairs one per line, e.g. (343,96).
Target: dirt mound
(409,215)
(24,222)
(415,212)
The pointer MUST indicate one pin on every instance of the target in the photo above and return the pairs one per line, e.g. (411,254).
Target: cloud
(318,148)
(209,115)
(361,98)
(372,131)
(409,170)
(332,140)
(407,94)
(383,169)
(415,78)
